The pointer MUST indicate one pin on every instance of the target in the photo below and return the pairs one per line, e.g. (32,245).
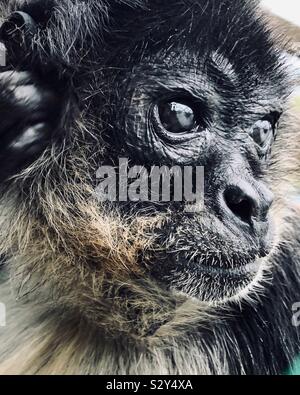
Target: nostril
(240,204)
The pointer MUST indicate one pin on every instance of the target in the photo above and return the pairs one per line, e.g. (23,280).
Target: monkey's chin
(219,285)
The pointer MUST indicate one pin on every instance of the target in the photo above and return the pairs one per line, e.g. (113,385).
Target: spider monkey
(96,288)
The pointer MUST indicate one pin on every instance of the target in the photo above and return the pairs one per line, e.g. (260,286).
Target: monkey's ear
(39,10)
(59,36)
(17,27)
(22,20)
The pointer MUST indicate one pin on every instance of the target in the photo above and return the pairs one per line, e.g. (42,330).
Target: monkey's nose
(243,203)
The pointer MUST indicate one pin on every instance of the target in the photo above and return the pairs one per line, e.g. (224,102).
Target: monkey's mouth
(205,259)
(245,271)
(208,275)
(235,266)
(214,283)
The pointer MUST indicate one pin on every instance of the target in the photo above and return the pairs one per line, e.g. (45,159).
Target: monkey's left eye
(177,117)
(264,130)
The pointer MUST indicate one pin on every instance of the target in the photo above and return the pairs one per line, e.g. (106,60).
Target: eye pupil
(177,117)
(262,132)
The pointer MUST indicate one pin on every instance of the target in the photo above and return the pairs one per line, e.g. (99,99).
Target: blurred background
(287,9)
(285,15)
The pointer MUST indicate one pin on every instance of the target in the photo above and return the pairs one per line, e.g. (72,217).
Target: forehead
(233,25)
(229,35)
(211,77)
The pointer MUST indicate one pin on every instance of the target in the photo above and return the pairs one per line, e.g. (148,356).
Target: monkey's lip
(247,270)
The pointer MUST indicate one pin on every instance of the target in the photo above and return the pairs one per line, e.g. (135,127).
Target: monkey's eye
(177,117)
(264,130)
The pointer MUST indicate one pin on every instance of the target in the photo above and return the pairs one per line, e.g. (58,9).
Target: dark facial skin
(231,136)
(189,105)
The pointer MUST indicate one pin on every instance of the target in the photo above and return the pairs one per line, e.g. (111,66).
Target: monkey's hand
(28,116)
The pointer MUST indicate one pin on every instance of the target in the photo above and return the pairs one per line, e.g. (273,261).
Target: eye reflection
(262,132)
(177,117)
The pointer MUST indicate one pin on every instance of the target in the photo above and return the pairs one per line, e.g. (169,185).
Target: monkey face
(218,109)
(180,113)
(180,92)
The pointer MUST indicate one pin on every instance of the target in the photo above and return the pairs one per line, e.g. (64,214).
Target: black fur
(102,58)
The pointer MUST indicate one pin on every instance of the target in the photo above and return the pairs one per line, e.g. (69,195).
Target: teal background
(295,369)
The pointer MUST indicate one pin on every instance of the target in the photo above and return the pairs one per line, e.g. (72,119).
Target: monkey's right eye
(177,117)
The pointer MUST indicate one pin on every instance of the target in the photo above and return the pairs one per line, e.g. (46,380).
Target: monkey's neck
(36,341)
